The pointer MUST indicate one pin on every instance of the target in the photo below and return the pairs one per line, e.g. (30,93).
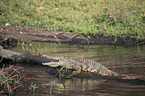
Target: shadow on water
(129,61)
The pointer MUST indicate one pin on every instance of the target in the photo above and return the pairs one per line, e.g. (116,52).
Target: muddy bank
(67,37)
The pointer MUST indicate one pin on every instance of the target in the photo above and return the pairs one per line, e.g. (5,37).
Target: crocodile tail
(106,72)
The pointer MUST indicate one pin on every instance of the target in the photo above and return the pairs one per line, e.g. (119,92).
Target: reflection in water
(82,84)
(88,87)
(129,61)
(75,84)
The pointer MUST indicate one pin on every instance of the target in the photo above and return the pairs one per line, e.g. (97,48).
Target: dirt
(66,37)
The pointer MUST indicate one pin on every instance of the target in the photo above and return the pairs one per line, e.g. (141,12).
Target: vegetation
(9,79)
(103,17)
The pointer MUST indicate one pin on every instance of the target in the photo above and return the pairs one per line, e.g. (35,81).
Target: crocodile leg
(74,73)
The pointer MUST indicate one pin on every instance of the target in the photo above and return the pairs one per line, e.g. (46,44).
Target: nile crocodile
(82,65)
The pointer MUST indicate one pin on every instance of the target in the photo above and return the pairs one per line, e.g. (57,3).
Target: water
(129,61)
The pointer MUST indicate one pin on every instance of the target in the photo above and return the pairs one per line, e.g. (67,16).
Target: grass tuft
(10,79)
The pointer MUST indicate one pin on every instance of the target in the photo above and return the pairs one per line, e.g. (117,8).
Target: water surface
(129,61)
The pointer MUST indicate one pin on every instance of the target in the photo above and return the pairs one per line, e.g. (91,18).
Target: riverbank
(70,38)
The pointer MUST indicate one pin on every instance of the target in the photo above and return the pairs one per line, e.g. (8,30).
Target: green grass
(107,17)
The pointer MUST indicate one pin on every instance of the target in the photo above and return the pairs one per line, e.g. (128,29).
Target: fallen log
(17,57)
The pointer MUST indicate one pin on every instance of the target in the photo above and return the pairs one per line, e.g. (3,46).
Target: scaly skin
(80,65)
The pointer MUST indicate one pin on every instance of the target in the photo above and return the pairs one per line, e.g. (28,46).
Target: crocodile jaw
(51,64)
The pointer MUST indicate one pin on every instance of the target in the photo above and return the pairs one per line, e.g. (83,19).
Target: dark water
(129,61)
